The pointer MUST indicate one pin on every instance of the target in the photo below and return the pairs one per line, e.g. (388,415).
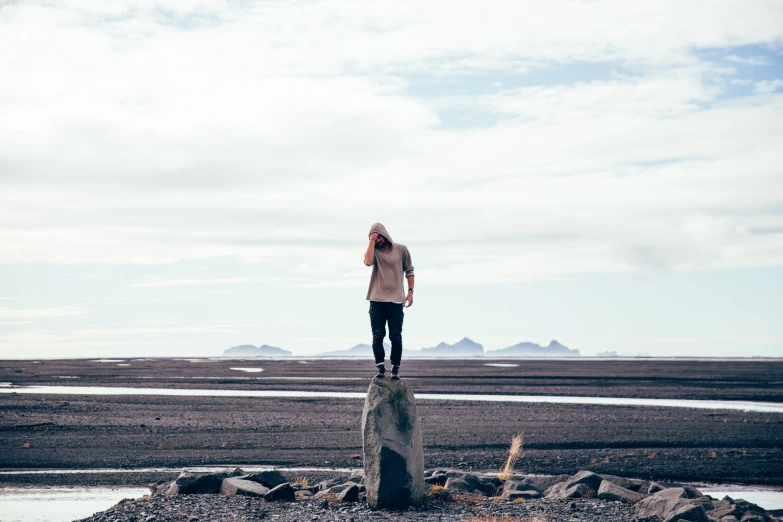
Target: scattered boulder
(622,482)
(639,485)
(692,513)
(679,492)
(436,480)
(188,483)
(588,478)
(159,488)
(282,492)
(472,480)
(514,495)
(350,494)
(392,446)
(334,490)
(611,491)
(494,480)
(543,482)
(487,487)
(580,490)
(654,487)
(562,490)
(671,493)
(325,484)
(239,486)
(739,509)
(667,507)
(270,478)
(513,485)
(513,490)
(457,484)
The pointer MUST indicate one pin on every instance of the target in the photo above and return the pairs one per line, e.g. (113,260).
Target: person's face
(380,241)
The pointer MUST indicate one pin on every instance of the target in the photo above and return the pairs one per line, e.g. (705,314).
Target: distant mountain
(462,348)
(248,350)
(555,349)
(360,350)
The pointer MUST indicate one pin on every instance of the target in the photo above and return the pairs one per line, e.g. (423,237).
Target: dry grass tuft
(437,488)
(514,453)
(304,482)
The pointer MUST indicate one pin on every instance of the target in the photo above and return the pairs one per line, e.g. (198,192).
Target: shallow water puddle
(249,370)
(55,504)
(768,497)
(765,407)
(502,365)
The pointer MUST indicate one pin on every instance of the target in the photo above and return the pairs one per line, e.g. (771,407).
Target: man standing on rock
(389,261)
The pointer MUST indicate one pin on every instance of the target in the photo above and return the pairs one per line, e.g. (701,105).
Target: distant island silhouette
(465,347)
(248,350)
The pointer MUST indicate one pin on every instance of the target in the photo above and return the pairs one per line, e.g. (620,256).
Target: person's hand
(408,300)
(373,236)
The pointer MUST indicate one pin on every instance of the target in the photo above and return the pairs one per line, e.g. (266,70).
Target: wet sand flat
(40,431)
(751,380)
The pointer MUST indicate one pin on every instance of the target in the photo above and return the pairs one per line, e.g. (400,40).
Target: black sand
(644,442)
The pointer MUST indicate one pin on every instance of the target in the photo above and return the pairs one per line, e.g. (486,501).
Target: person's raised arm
(369,254)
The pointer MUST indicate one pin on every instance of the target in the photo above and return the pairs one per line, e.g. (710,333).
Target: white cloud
(751,60)
(276,133)
(40,313)
(158,283)
(768,86)
(114,298)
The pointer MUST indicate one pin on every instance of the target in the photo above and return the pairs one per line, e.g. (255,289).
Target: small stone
(350,494)
(282,492)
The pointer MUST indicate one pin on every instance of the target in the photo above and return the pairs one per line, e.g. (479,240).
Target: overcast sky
(177,176)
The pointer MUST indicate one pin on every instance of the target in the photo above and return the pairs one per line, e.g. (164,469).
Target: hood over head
(379,228)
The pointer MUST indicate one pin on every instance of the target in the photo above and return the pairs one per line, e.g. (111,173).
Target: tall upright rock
(393,451)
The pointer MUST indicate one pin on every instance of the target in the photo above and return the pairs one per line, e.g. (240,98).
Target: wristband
(410,289)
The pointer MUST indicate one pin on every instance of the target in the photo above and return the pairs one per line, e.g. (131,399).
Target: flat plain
(43,431)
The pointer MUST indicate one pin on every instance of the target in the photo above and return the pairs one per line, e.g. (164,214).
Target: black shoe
(395,375)
(381,371)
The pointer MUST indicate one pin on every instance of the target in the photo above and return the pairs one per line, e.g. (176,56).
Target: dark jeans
(380,313)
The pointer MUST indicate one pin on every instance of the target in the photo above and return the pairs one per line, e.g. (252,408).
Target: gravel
(193,508)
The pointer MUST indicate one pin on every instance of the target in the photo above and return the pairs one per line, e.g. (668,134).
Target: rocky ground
(202,508)
(46,431)
(452,495)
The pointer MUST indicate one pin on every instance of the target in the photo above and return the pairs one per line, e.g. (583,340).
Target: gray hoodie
(389,270)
